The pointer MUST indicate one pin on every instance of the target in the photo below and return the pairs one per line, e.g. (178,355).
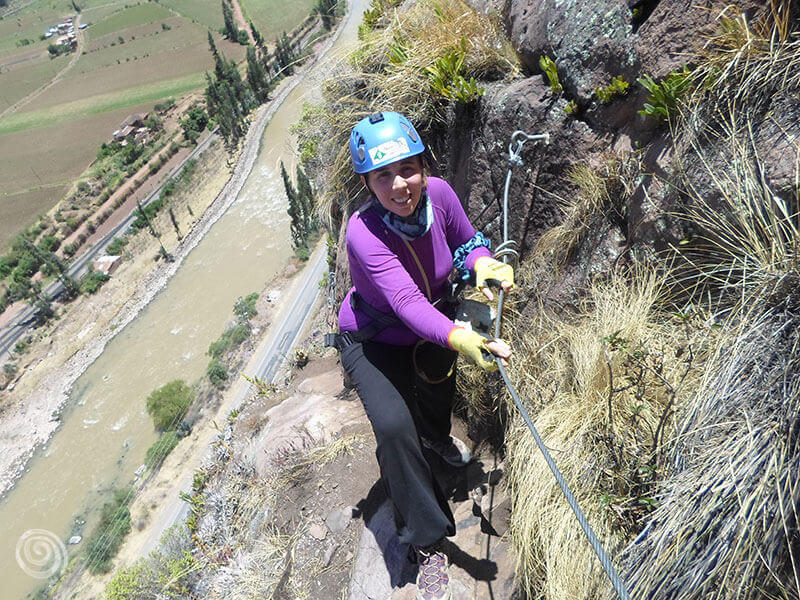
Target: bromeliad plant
(662,103)
(617,87)
(447,80)
(548,65)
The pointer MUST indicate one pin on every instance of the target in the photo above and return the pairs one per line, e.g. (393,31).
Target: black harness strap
(380,321)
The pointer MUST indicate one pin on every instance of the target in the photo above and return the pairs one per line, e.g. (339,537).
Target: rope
(505,250)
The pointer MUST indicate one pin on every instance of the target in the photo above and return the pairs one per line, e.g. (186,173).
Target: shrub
(114,525)
(70,249)
(126,584)
(242,37)
(160,449)
(230,338)
(169,403)
(165,105)
(216,373)
(93,281)
(150,211)
(245,308)
(7,264)
(117,245)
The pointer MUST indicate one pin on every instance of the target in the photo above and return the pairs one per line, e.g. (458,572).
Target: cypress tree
(231,31)
(213,47)
(295,211)
(306,200)
(257,36)
(326,10)
(257,76)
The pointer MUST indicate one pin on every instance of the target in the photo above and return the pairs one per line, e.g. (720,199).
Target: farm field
(17,81)
(134,54)
(48,156)
(272,17)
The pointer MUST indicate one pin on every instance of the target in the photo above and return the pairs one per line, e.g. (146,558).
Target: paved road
(20,324)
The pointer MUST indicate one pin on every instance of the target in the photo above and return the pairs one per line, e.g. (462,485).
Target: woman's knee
(394,432)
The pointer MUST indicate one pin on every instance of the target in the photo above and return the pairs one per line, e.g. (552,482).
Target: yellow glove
(490,271)
(471,343)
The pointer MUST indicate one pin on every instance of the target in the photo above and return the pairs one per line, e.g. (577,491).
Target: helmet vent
(376,118)
(361,154)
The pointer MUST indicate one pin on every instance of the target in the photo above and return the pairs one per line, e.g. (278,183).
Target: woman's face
(398,186)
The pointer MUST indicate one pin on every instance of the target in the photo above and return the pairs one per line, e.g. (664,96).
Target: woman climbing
(397,341)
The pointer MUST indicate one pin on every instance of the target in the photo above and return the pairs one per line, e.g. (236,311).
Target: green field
(34,161)
(61,113)
(129,17)
(272,17)
(29,23)
(202,12)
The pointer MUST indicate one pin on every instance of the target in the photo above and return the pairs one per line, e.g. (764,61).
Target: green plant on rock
(617,87)
(571,108)
(399,50)
(446,78)
(549,67)
(664,97)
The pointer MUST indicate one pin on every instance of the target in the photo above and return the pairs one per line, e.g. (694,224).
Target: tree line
(229,97)
(301,210)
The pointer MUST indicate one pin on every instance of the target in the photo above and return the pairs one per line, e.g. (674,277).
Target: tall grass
(604,383)
(727,522)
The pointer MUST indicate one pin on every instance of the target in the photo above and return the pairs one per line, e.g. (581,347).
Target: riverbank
(30,413)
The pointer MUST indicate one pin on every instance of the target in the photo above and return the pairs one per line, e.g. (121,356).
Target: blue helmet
(381,139)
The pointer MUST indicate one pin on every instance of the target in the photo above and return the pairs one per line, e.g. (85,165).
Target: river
(105,429)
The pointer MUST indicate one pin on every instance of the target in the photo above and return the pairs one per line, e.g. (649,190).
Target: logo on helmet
(388,150)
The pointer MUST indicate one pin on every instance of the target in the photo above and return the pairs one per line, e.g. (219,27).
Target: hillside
(658,234)
(655,325)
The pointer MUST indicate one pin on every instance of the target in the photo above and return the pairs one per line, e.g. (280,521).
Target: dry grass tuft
(605,384)
(748,233)
(727,525)
(602,192)
(390,71)
(299,466)
(262,571)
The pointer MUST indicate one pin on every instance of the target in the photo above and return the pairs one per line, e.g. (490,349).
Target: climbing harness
(505,250)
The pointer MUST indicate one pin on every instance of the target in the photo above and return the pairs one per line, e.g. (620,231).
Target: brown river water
(106,429)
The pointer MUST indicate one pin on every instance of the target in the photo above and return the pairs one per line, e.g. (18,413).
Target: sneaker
(433,582)
(453,451)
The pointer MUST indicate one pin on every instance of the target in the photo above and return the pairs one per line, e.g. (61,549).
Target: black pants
(401,407)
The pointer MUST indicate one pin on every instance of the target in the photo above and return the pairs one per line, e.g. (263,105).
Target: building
(106,264)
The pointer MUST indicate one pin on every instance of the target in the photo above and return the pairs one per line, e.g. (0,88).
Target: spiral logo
(40,553)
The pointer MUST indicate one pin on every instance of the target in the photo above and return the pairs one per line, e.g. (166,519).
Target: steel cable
(503,251)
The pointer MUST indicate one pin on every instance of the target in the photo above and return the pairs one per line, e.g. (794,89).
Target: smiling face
(398,186)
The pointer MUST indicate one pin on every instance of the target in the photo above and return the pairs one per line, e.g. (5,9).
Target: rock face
(590,42)
(476,162)
(677,29)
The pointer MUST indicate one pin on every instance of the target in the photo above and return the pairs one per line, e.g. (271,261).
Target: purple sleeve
(391,282)
(459,228)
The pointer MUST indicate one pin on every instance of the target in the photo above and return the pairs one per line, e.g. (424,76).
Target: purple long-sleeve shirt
(386,275)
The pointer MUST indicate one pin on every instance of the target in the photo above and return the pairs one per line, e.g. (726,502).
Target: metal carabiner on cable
(520,137)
